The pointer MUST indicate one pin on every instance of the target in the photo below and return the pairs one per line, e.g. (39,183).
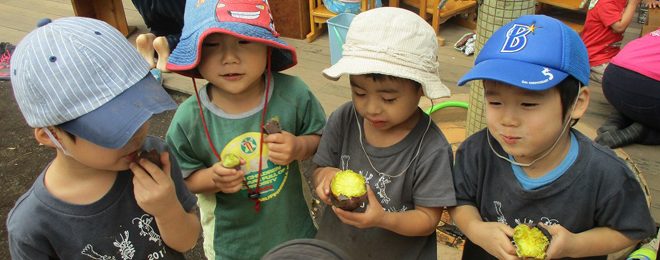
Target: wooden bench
(575,16)
(575,5)
(109,11)
(319,15)
(450,9)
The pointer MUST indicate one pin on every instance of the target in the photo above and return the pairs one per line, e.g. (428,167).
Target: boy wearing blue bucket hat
(383,135)
(249,208)
(529,166)
(89,94)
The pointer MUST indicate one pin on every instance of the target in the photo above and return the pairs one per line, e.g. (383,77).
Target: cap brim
(516,73)
(114,123)
(350,65)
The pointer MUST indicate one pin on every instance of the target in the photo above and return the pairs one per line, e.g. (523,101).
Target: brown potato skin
(152,156)
(346,203)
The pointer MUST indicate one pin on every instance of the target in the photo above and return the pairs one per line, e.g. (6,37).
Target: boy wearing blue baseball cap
(529,166)
(89,94)
(249,207)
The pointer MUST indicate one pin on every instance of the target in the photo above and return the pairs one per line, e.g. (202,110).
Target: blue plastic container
(337,29)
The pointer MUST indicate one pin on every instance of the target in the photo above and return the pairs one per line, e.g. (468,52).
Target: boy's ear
(42,137)
(581,103)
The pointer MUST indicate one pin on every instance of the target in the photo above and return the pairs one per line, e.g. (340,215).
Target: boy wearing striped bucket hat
(530,167)
(250,206)
(89,95)
(384,136)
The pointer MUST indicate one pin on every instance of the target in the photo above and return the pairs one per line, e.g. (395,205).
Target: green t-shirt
(232,228)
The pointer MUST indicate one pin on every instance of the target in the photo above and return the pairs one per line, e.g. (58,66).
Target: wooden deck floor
(20,16)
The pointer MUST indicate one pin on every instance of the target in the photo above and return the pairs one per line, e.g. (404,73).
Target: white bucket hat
(395,42)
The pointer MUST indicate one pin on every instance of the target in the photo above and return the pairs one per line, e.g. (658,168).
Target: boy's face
(98,157)
(526,123)
(231,64)
(387,105)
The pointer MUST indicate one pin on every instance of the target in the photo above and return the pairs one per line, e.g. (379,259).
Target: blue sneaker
(158,75)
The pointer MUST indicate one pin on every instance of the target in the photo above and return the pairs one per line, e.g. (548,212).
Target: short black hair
(568,91)
(380,77)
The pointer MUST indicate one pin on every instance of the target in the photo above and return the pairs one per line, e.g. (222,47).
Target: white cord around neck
(566,126)
(421,141)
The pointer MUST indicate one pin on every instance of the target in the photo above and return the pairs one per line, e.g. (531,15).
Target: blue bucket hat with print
(533,52)
(250,20)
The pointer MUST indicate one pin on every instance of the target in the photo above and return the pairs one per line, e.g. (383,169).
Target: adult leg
(597,72)
(636,97)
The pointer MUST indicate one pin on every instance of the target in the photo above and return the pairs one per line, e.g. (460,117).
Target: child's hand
(370,218)
(283,147)
(495,238)
(153,187)
(561,241)
(322,179)
(652,3)
(227,180)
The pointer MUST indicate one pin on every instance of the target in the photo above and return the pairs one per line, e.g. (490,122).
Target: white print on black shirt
(381,191)
(144,223)
(502,219)
(125,247)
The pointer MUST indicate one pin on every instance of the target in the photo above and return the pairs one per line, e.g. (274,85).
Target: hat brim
(114,123)
(516,73)
(431,84)
(186,56)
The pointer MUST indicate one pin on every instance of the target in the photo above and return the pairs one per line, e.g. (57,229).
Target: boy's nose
(229,57)
(509,117)
(373,107)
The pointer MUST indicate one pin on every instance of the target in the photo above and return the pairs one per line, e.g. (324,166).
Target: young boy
(529,166)
(88,94)
(250,208)
(604,26)
(384,136)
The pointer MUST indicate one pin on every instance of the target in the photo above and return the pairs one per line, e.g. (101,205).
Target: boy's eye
(494,103)
(529,104)
(210,44)
(389,100)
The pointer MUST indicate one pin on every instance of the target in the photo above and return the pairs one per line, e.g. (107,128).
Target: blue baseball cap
(82,75)
(533,52)
(246,19)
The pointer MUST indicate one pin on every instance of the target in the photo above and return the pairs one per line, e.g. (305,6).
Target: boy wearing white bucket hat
(529,166)
(89,95)
(383,135)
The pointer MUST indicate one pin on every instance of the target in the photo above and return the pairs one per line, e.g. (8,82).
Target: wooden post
(109,11)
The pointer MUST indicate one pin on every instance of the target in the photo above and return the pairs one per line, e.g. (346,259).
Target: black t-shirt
(598,190)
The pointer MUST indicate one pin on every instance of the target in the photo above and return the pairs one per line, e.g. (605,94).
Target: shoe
(6,49)
(158,75)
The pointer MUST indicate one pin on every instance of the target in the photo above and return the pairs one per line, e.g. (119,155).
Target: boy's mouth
(377,123)
(131,157)
(232,76)
(510,139)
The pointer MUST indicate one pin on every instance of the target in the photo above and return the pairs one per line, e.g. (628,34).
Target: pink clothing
(599,38)
(642,55)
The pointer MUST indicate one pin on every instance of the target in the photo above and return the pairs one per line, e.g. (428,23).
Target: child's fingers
(140,176)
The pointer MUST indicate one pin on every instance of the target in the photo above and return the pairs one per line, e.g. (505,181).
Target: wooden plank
(566,4)
(56,8)
(21,19)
